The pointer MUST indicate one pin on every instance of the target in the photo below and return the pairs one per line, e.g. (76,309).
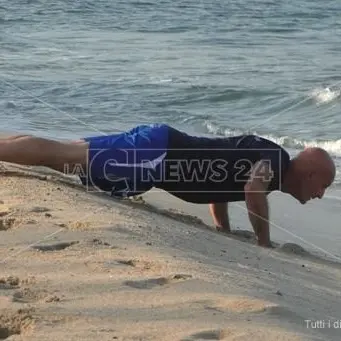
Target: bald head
(315,159)
(312,171)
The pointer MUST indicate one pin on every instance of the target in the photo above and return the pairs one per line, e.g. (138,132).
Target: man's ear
(260,176)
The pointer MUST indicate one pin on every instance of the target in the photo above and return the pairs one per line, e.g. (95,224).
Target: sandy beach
(77,265)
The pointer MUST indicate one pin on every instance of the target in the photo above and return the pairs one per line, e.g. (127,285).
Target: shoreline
(308,235)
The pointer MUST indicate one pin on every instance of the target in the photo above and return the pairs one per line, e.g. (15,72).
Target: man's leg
(36,151)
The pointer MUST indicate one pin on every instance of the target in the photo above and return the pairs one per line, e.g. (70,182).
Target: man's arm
(220,216)
(257,203)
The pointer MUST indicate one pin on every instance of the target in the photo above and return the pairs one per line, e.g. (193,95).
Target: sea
(218,68)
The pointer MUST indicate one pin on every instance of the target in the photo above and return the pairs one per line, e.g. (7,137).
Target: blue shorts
(127,163)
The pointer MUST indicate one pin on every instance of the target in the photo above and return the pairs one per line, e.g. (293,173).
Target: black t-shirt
(208,170)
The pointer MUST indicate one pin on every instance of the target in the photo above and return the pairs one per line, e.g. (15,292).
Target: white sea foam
(332,146)
(325,95)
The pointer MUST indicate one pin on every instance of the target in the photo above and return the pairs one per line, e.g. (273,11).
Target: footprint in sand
(54,247)
(9,282)
(97,242)
(243,333)
(28,295)
(79,225)
(7,223)
(248,305)
(4,211)
(154,282)
(13,282)
(239,305)
(294,249)
(39,209)
(218,334)
(15,323)
(136,263)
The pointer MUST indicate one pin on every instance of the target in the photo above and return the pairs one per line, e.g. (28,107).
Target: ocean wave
(332,146)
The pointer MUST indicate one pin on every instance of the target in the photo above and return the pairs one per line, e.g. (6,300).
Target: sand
(77,265)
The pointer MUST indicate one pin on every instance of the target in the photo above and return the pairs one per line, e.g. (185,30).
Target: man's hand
(256,201)
(223,228)
(220,217)
(267,244)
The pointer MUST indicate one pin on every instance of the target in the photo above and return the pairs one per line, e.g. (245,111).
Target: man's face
(313,186)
